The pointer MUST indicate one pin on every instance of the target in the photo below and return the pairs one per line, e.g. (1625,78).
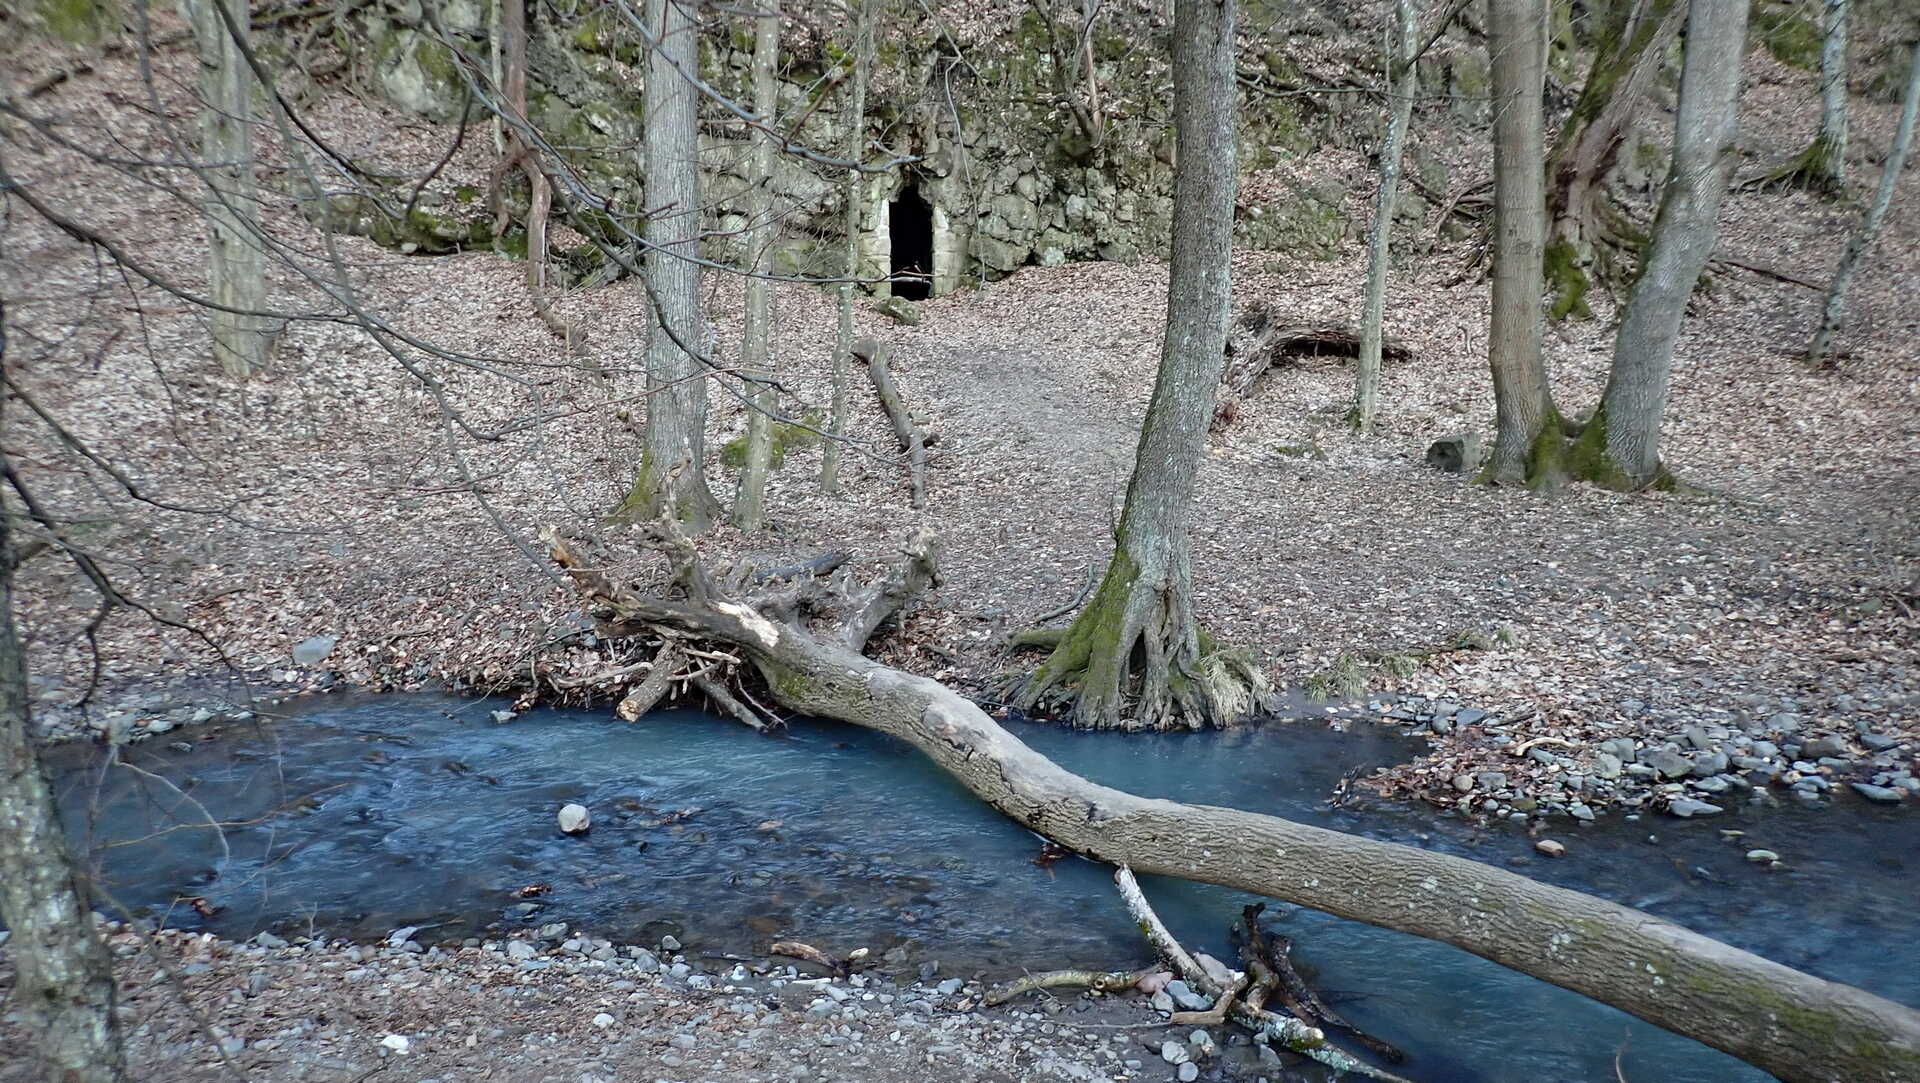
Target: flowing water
(357,816)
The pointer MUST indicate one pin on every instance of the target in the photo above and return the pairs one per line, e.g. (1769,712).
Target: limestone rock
(575,820)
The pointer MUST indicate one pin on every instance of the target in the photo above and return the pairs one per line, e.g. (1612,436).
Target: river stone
(1173,1052)
(1669,763)
(1762,857)
(1607,765)
(1823,746)
(574,819)
(603,1020)
(1161,1002)
(310,652)
(520,949)
(948,987)
(1463,782)
(1709,764)
(1491,780)
(1551,848)
(1686,808)
(1876,742)
(1188,1072)
(1186,998)
(1884,795)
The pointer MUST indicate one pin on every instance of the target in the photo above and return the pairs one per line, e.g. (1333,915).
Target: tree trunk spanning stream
(1791,1024)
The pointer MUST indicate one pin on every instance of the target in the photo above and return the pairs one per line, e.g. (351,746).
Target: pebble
(1174,1052)
(396,1043)
(949,987)
(1686,808)
(1884,795)
(574,819)
(1189,1072)
(1551,848)
(520,949)
(603,1020)
(1762,857)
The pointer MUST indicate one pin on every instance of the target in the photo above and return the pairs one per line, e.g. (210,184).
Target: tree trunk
(1402,82)
(63,979)
(749,506)
(851,190)
(1620,446)
(1527,437)
(1134,657)
(1590,236)
(1869,230)
(1833,91)
(236,263)
(1799,1027)
(671,476)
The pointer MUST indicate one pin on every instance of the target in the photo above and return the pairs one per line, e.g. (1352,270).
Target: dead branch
(1101,981)
(1261,342)
(913,439)
(648,694)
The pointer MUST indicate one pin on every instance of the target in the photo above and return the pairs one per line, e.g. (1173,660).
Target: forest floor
(332,499)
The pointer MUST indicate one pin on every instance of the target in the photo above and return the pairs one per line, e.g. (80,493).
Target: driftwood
(1271,961)
(1103,981)
(1210,978)
(913,439)
(1794,1025)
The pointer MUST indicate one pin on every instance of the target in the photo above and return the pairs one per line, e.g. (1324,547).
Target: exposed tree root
(1134,660)
(1794,1025)
(1814,169)
(1260,342)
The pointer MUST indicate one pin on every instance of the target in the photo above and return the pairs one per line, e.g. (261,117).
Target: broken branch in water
(1216,981)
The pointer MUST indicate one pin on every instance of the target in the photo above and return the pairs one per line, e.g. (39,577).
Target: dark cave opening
(910,232)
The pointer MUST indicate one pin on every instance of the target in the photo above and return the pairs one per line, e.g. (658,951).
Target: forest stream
(356,816)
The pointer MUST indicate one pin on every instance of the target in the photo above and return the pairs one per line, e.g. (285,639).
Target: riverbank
(556,1007)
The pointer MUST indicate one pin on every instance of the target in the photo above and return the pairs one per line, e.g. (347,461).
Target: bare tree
(1527,435)
(1591,239)
(1822,167)
(1402,82)
(63,979)
(1620,445)
(1863,238)
(242,339)
(1135,656)
(749,505)
(861,59)
(670,475)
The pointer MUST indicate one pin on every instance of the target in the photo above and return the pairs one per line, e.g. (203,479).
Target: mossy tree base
(1544,463)
(1135,659)
(1816,169)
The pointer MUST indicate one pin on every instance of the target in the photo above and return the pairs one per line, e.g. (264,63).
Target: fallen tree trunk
(1794,1025)
(913,439)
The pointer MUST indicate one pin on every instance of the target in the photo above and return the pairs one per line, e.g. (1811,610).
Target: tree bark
(1799,1027)
(236,263)
(1527,436)
(1620,446)
(63,979)
(749,505)
(1403,80)
(1134,658)
(1834,17)
(912,438)
(671,476)
(1863,239)
(850,192)
(1589,236)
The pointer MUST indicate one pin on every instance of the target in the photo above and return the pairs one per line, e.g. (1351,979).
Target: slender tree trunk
(1527,435)
(236,264)
(1134,657)
(1589,236)
(1401,84)
(671,475)
(63,979)
(1620,446)
(1833,89)
(1869,232)
(851,192)
(749,506)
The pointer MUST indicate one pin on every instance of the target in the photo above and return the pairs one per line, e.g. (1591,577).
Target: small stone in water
(1762,857)
(1551,848)
(574,819)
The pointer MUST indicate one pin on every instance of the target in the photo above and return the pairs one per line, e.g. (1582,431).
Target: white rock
(396,1043)
(603,1020)
(575,820)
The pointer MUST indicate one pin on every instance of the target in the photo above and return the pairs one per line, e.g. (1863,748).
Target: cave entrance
(910,235)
